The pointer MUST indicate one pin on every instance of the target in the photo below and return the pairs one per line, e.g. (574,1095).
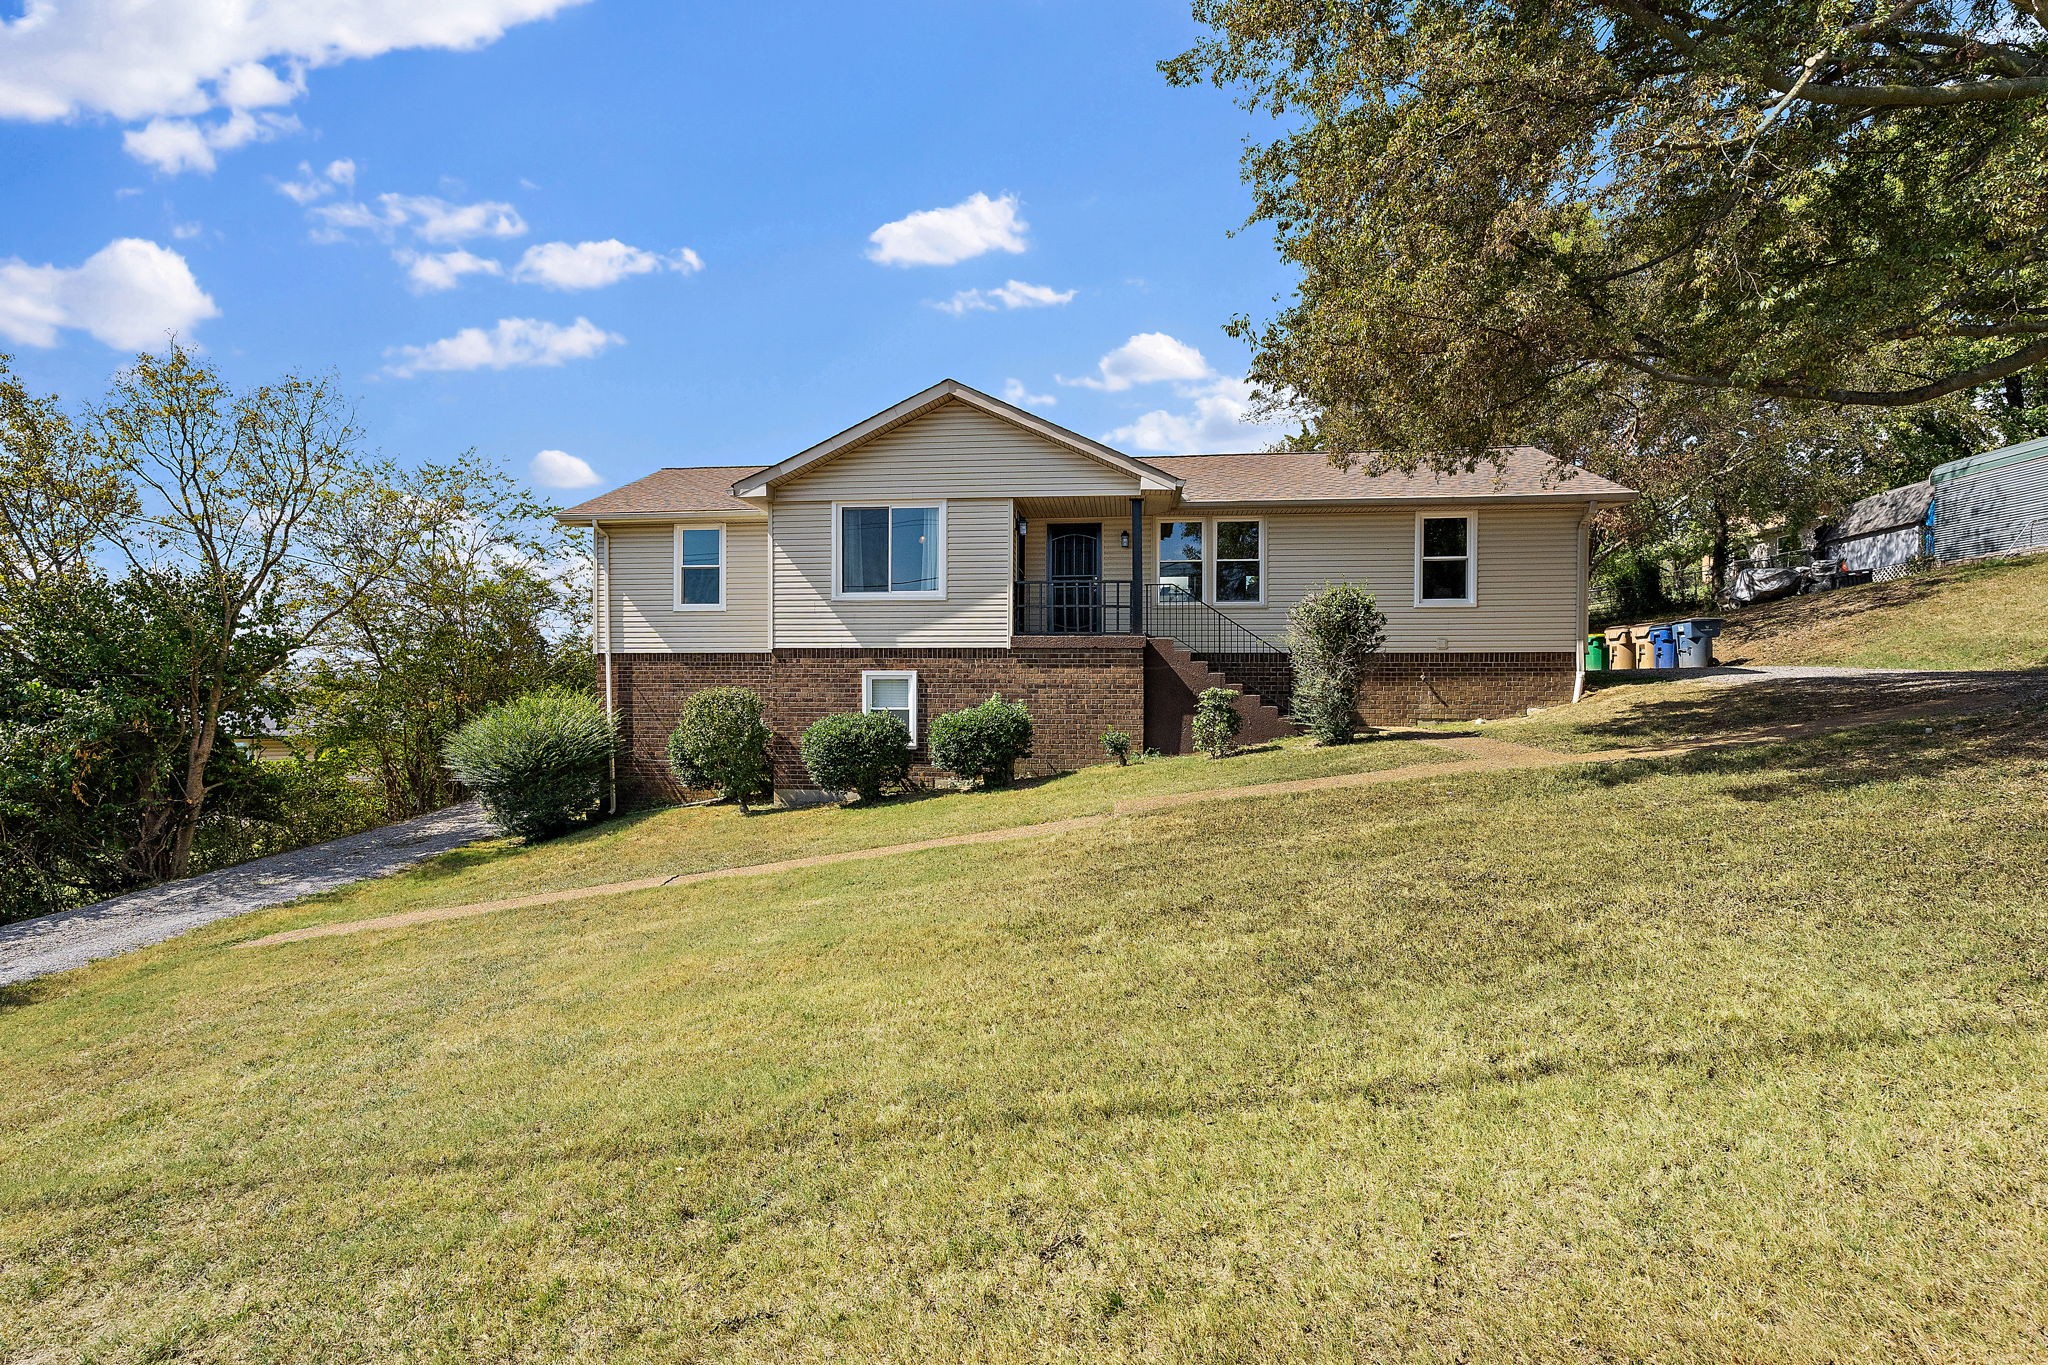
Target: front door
(1073,566)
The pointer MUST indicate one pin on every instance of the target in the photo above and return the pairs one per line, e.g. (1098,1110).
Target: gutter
(1585,594)
(601,635)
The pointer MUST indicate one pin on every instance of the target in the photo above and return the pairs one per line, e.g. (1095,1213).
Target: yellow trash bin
(1621,647)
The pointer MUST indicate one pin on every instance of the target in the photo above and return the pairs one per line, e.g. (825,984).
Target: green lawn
(1988,615)
(1734,1056)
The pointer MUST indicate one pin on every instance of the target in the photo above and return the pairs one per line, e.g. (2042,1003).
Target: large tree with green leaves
(1506,209)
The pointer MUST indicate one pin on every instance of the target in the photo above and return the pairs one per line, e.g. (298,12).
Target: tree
(257,526)
(476,604)
(1506,207)
(1333,634)
(58,493)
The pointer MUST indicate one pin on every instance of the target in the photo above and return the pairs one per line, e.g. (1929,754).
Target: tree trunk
(1718,564)
(192,803)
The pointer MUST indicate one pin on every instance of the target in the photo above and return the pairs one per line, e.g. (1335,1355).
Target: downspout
(601,589)
(1585,601)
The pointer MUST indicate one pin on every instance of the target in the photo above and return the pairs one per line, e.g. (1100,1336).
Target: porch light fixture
(1020,528)
(1125,539)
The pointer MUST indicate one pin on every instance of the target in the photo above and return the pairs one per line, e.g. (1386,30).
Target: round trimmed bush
(860,752)
(722,742)
(982,743)
(537,762)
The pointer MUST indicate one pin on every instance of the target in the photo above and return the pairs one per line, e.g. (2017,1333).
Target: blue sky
(634,233)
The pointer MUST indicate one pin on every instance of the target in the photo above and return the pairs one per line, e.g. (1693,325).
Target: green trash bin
(1596,653)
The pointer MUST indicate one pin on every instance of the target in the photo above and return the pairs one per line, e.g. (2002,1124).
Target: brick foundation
(1075,686)
(1408,687)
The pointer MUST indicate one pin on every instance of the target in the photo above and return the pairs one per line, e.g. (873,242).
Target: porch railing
(1090,606)
(1073,606)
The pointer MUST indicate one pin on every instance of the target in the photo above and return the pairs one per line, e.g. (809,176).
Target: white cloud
(183,58)
(975,225)
(174,145)
(311,184)
(129,294)
(1219,422)
(593,265)
(427,217)
(513,343)
(432,272)
(1012,294)
(1015,392)
(185,232)
(560,469)
(1147,358)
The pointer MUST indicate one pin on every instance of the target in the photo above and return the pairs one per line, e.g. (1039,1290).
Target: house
(954,546)
(1883,534)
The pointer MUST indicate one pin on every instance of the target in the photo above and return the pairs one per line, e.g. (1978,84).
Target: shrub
(1117,745)
(983,743)
(721,742)
(1333,634)
(537,762)
(860,752)
(1216,721)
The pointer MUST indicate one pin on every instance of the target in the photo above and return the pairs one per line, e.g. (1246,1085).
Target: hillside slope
(1989,615)
(1738,1055)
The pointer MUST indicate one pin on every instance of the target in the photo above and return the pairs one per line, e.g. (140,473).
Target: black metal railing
(1073,606)
(1198,627)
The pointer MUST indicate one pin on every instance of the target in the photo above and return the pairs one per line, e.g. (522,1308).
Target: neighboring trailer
(1882,534)
(1992,504)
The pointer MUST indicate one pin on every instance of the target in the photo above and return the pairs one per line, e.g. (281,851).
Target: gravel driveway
(72,938)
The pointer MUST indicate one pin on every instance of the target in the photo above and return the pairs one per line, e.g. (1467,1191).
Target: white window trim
(839,593)
(676,578)
(1471,519)
(870,675)
(1158,574)
(1212,543)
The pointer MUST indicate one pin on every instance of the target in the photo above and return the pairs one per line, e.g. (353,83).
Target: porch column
(1137,566)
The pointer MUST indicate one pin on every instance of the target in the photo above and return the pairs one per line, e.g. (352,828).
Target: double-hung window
(1444,561)
(1240,562)
(1180,561)
(700,568)
(892,551)
(892,694)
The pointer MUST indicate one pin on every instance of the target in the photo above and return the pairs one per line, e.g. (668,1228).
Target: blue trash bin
(1696,641)
(1664,645)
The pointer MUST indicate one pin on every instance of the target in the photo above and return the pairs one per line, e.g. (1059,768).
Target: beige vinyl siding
(644,618)
(956,451)
(974,612)
(1528,573)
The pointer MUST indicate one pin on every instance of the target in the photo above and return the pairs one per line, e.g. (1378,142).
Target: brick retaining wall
(1408,687)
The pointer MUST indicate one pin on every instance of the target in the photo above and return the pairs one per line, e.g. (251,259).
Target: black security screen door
(1073,563)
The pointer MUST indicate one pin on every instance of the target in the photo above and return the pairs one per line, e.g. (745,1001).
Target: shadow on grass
(1881,752)
(1730,712)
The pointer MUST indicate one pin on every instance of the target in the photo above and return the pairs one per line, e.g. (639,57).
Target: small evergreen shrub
(861,752)
(537,762)
(1216,721)
(1117,745)
(983,743)
(1333,634)
(722,742)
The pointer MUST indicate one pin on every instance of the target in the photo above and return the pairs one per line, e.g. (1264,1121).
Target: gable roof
(1516,473)
(704,488)
(917,405)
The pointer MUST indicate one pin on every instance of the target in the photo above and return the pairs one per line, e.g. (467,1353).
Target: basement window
(892,694)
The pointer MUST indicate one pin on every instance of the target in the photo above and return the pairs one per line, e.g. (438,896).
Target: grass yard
(1739,1055)
(1988,615)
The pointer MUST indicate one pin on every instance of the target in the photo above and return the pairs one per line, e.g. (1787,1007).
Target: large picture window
(1240,561)
(1180,561)
(700,568)
(891,551)
(1443,561)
